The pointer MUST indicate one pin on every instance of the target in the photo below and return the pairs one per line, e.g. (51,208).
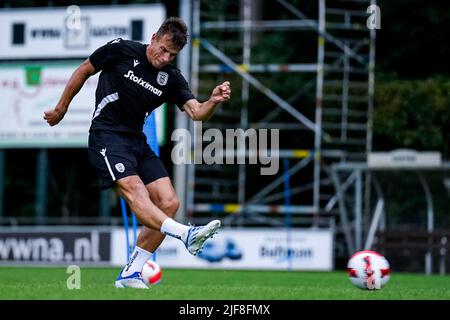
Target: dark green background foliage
(413,114)
(412,95)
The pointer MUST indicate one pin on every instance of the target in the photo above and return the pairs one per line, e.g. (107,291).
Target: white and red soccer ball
(368,270)
(151,272)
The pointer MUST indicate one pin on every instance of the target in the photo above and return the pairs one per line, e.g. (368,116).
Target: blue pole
(134,222)
(287,203)
(151,133)
(152,140)
(123,205)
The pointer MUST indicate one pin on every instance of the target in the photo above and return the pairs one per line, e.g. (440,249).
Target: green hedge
(412,114)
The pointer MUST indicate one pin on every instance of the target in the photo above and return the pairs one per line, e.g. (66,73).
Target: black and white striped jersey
(130,88)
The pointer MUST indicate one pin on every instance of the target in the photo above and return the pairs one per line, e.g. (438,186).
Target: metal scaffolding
(336,125)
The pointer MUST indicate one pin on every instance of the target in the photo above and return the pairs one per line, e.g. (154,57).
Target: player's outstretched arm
(76,81)
(203,111)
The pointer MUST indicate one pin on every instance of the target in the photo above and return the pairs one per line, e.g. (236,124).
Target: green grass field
(27,283)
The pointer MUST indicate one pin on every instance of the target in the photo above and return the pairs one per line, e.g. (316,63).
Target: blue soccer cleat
(132,281)
(198,235)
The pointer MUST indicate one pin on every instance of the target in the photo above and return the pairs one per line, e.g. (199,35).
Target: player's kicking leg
(157,225)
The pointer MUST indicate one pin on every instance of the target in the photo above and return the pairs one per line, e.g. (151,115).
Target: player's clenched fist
(222,92)
(54,116)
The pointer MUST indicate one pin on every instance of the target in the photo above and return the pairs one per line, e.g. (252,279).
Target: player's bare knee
(175,205)
(170,206)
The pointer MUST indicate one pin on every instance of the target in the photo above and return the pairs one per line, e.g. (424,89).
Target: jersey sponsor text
(130,75)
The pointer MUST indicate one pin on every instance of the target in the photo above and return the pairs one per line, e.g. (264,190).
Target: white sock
(174,229)
(137,260)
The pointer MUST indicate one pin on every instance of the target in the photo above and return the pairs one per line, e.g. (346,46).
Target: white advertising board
(55,245)
(255,249)
(27,90)
(73,32)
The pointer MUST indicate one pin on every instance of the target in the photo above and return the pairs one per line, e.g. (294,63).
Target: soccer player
(136,78)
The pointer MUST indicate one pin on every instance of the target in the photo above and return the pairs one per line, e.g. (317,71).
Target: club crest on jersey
(162,78)
(120,167)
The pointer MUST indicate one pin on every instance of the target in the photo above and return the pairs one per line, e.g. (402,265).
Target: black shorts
(116,155)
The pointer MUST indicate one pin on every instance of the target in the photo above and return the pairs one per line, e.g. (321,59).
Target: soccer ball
(368,270)
(151,272)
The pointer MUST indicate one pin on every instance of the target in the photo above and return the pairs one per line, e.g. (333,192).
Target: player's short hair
(177,28)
